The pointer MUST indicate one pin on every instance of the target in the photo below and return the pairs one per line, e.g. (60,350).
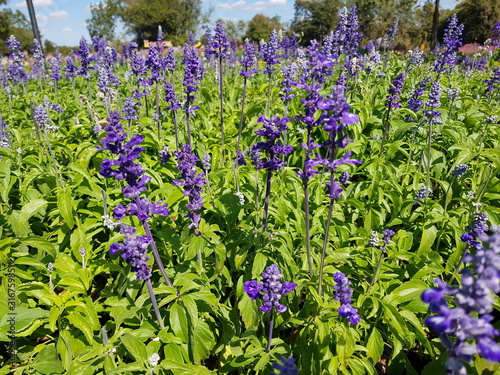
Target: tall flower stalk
(271,130)
(131,172)
(270,291)
(335,126)
(193,73)
(392,102)
(220,48)
(247,61)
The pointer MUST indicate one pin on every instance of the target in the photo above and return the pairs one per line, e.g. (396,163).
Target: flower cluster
(192,182)
(269,53)
(271,289)
(16,71)
(452,38)
(127,169)
(271,129)
(193,73)
(248,60)
(85,59)
(466,329)
(343,293)
(287,367)
(415,103)
(219,43)
(134,249)
(475,231)
(386,239)
(460,170)
(424,192)
(395,91)
(433,101)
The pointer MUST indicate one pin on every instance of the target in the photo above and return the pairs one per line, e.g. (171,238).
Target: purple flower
(38,68)
(248,60)
(193,73)
(415,102)
(391,33)
(466,329)
(130,109)
(460,170)
(70,69)
(475,231)
(171,97)
(271,129)
(55,67)
(288,82)
(423,193)
(126,168)
(192,182)
(433,101)
(133,250)
(447,58)
(84,53)
(271,289)
(287,367)
(395,91)
(220,45)
(268,53)
(343,293)
(16,71)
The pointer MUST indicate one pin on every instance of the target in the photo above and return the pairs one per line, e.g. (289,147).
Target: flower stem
(154,303)
(221,102)
(325,242)
(267,199)
(242,115)
(377,270)
(271,326)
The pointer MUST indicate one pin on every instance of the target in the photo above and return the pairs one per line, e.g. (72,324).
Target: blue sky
(63,21)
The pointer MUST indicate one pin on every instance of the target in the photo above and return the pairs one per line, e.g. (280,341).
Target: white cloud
(59,15)
(235,5)
(36,3)
(41,18)
(263,5)
(66,30)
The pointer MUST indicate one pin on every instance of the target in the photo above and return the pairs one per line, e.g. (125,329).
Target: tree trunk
(435,21)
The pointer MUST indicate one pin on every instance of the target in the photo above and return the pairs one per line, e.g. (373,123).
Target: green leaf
(178,321)
(64,200)
(428,237)
(375,345)
(135,347)
(46,362)
(82,323)
(409,290)
(40,243)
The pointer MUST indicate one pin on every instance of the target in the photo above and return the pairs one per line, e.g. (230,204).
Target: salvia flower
(193,73)
(133,250)
(478,227)
(127,169)
(192,182)
(433,102)
(55,67)
(447,58)
(17,73)
(466,328)
(70,69)
(85,58)
(395,91)
(415,103)
(248,60)
(460,170)
(220,44)
(391,33)
(343,293)
(38,68)
(423,193)
(272,129)
(286,367)
(269,53)
(271,289)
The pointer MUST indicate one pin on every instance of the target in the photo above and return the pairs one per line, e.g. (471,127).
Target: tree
(101,23)
(478,17)
(14,23)
(176,17)
(260,27)
(315,18)
(377,16)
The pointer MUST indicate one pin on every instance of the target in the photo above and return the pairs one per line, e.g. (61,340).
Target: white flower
(154,359)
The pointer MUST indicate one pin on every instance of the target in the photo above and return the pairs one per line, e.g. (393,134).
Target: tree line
(313,19)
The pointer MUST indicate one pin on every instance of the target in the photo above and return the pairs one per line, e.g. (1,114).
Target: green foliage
(260,27)
(101,23)
(176,17)
(315,18)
